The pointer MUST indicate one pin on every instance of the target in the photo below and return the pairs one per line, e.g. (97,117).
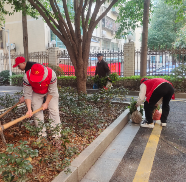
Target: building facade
(40,35)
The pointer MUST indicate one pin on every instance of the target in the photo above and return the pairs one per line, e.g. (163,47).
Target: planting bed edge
(81,165)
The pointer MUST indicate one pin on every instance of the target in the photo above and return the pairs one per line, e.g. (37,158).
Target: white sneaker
(144,124)
(163,124)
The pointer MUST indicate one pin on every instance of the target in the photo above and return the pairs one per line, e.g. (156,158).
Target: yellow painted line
(145,166)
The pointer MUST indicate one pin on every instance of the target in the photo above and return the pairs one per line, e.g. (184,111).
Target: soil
(80,136)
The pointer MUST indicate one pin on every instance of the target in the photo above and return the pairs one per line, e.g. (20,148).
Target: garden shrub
(131,83)
(17,80)
(5,75)
(180,71)
(58,70)
(15,162)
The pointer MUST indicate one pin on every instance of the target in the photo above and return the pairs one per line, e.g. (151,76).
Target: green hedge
(131,83)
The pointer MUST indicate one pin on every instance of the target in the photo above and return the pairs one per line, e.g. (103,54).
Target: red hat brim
(15,65)
(35,78)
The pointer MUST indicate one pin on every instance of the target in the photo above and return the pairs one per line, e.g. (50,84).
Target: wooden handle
(9,110)
(7,125)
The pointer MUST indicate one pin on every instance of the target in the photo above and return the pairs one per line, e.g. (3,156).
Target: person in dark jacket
(156,90)
(102,69)
(23,66)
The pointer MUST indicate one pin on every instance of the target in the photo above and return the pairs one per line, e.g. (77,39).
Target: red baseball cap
(18,60)
(37,73)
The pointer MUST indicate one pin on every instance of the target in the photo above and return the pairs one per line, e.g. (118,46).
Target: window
(106,44)
(166,58)
(153,59)
(114,46)
(161,60)
(59,43)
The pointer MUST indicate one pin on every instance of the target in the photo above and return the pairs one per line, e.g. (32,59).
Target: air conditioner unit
(104,33)
(12,46)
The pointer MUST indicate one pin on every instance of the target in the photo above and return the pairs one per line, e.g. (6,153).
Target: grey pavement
(121,159)
(107,163)
(10,89)
(170,159)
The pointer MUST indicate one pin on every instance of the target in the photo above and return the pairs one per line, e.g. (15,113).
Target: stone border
(81,165)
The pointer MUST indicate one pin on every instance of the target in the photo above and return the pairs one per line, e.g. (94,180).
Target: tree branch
(44,10)
(105,12)
(96,10)
(68,21)
(88,14)
(48,19)
(61,21)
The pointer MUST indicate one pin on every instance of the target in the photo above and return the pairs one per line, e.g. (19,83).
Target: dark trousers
(166,91)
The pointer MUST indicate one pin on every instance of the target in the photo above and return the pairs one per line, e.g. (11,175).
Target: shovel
(1,127)
(7,125)
(9,110)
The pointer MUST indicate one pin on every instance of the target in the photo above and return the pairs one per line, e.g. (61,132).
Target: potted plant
(136,115)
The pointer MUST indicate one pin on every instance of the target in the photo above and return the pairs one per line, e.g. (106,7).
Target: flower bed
(131,83)
(82,122)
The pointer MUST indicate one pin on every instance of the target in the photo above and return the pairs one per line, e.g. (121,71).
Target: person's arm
(52,90)
(28,104)
(48,99)
(21,100)
(96,71)
(106,67)
(142,93)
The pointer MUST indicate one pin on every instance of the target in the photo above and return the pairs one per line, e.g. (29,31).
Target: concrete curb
(81,165)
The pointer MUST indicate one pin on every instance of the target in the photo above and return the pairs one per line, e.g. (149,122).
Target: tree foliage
(130,16)
(66,19)
(180,41)
(164,25)
(2,17)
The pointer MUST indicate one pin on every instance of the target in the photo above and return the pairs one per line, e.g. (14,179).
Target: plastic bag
(109,84)
(95,86)
(156,115)
(136,117)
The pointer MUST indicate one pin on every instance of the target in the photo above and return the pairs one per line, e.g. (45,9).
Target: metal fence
(115,60)
(161,62)
(39,57)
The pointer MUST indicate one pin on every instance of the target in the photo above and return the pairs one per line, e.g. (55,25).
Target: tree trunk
(81,80)
(25,35)
(143,65)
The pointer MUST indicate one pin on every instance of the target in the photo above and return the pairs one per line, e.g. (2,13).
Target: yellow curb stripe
(145,166)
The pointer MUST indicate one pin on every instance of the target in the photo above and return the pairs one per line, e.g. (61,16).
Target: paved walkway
(10,89)
(143,154)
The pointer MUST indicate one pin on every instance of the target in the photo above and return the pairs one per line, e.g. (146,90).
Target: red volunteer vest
(152,84)
(41,87)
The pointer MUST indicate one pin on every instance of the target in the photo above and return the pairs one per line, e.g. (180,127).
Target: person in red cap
(38,82)
(155,90)
(23,66)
